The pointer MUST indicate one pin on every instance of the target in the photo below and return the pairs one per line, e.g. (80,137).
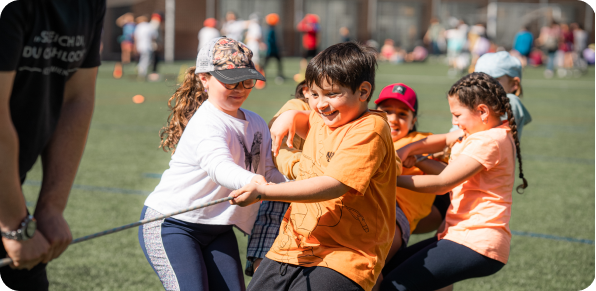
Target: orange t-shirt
(415,205)
(288,157)
(480,209)
(348,234)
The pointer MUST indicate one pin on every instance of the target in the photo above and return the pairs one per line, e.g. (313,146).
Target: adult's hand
(26,254)
(55,229)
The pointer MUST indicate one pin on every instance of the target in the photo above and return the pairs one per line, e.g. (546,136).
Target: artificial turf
(122,163)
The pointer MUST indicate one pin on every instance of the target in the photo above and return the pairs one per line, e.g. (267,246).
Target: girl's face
(468,120)
(401,119)
(509,84)
(222,98)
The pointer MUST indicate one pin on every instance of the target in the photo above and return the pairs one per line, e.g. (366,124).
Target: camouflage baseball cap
(228,60)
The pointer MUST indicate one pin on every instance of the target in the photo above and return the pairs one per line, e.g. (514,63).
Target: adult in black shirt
(49,54)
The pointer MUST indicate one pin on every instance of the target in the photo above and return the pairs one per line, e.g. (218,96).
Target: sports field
(552,223)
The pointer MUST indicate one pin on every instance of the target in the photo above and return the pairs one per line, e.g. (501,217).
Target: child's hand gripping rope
(8,261)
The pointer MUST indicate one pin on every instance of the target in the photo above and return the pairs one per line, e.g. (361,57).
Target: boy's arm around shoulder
(288,124)
(432,144)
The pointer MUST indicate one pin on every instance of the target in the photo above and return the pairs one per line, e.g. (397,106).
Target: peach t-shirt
(348,234)
(415,205)
(480,209)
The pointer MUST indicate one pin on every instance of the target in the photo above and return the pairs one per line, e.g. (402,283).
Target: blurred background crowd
(555,34)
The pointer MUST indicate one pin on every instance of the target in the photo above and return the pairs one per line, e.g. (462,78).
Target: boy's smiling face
(338,105)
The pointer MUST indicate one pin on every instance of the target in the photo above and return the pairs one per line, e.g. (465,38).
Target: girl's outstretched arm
(454,174)
(306,191)
(289,123)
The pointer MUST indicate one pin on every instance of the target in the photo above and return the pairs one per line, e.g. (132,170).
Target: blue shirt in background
(523,42)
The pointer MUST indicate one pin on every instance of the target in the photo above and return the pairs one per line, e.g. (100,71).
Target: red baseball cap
(399,92)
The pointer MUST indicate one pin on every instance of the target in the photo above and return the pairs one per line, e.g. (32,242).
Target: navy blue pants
(190,256)
(433,264)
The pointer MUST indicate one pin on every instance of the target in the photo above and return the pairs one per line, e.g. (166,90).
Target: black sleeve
(12,35)
(93,58)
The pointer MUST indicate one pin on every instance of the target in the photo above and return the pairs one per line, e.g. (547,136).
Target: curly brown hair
(480,88)
(183,105)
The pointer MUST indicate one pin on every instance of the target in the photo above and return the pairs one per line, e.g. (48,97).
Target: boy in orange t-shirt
(334,235)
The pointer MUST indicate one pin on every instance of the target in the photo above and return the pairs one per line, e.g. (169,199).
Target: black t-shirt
(45,42)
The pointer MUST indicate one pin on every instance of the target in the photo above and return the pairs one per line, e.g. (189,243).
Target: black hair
(348,64)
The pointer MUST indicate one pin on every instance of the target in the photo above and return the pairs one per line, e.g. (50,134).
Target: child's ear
(515,83)
(484,112)
(365,90)
(413,122)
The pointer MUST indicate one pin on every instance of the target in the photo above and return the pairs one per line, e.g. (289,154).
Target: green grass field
(122,162)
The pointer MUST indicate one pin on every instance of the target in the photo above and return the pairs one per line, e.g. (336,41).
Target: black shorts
(442,203)
(272,275)
(35,279)
(310,53)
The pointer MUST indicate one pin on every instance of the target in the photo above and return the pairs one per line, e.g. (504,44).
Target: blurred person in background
(272,46)
(145,35)
(549,39)
(208,32)
(344,33)
(233,28)
(435,37)
(522,44)
(456,41)
(566,47)
(478,44)
(253,37)
(309,27)
(126,40)
(580,39)
(387,50)
(46,104)
(157,44)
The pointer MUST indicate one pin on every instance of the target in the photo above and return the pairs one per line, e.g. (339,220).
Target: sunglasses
(247,84)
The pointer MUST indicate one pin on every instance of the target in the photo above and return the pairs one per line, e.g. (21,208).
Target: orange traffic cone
(260,84)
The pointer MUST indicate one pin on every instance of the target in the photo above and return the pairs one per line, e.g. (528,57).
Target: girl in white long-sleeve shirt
(218,147)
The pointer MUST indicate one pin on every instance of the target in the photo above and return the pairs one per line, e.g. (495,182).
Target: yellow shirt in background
(415,205)
(288,157)
(349,234)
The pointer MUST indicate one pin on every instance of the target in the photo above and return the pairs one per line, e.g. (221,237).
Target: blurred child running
(217,147)
(271,213)
(334,235)
(480,174)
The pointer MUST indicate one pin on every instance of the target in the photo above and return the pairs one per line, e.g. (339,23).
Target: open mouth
(329,114)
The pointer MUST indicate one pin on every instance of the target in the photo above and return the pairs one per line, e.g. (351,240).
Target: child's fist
(246,195)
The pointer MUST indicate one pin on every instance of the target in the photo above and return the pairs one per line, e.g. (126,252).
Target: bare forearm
(12,202)
(306,191)
(301,123)
(62,156)
(431,167)
(432,184)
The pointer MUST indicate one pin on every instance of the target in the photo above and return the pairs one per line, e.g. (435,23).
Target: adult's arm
(61,158)
(453,175)
(25,254)
(312,190)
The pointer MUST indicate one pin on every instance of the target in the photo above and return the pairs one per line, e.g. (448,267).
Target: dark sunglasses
(247,84)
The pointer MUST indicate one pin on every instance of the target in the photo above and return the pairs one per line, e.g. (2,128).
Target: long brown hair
(183,105)
(480,88)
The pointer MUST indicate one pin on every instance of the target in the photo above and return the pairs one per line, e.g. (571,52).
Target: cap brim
(233,76)
(394,98)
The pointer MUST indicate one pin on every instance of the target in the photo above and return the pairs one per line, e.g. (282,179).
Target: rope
(8,261)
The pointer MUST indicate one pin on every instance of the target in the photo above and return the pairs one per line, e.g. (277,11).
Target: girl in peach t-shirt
(480,174)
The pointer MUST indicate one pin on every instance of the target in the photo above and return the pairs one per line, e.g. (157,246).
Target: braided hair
(480,88)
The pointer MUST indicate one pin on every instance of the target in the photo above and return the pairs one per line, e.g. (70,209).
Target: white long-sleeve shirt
(217,153)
